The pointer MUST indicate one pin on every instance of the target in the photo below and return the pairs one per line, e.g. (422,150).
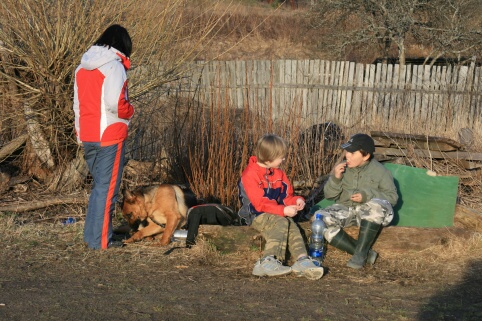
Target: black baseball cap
(359,141)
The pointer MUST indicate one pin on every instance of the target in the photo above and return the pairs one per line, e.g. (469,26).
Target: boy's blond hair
(270,147)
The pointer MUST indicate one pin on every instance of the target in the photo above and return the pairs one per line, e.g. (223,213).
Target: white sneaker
(307,267)
(270,266)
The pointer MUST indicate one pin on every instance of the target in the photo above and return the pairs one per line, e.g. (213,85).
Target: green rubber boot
(346,243)
(366,237)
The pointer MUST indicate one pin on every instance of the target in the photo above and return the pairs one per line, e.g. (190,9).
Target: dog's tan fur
(158,205)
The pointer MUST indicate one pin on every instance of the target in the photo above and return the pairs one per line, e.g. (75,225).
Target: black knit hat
(359,141)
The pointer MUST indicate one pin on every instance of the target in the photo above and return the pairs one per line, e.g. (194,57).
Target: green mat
(424,201)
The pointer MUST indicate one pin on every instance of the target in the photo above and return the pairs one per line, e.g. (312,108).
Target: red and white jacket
(101,103)
(264,190)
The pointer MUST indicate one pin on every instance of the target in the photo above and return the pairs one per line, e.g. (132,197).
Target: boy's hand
(290,210)
(339,170)
(357,197)
(300,204)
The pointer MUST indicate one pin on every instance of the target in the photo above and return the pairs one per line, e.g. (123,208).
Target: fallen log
(51,201)
(12,146)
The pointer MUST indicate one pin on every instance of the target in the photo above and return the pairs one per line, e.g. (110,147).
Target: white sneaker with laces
(269,266)
(307,267)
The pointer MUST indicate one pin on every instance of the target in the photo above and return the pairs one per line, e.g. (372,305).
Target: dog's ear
(128,196)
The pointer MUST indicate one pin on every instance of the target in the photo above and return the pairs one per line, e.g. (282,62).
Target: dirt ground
(46,273)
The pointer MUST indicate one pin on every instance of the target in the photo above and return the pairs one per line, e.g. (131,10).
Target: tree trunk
(387,44)
(37,138)
(12,146)
(72,176)
(401,52)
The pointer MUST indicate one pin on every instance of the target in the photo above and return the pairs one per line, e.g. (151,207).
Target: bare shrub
(41,43)
(443,27)
(214,145)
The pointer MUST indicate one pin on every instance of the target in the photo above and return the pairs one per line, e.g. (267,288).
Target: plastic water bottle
(69,221)
(316,239)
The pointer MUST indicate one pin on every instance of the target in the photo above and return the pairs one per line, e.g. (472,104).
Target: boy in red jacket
(268,205)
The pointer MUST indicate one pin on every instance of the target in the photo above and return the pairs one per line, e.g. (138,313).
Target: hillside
(294,32)
(259,31)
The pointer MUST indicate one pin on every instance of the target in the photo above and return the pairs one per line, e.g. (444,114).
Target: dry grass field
(422,274)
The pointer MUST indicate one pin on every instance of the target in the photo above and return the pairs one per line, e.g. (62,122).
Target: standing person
(102,114)
(268,204)
(364,192)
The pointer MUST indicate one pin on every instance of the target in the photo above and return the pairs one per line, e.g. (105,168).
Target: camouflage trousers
(338,216)
(281,234)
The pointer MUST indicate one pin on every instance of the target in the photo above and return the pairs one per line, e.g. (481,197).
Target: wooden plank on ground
(426,153)
(388,139)
(46,202)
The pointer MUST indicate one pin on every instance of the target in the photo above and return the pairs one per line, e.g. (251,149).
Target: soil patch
(46,273)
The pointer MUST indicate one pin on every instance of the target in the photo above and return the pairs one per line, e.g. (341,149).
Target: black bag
(210,214)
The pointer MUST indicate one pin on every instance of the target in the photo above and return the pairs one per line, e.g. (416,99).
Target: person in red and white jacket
(102,115)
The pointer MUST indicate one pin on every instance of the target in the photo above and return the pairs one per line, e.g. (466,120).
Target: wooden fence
(423,99)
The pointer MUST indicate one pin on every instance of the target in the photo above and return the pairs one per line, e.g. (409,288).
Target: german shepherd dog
(154,209)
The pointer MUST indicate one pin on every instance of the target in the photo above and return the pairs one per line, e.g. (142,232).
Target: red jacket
(264,190)
(101,103)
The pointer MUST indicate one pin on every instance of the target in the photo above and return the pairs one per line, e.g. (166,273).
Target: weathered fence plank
(305,78)
(347,99)
(392,85)
(357,94)
(418,93)
(477,99)
(424,99)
